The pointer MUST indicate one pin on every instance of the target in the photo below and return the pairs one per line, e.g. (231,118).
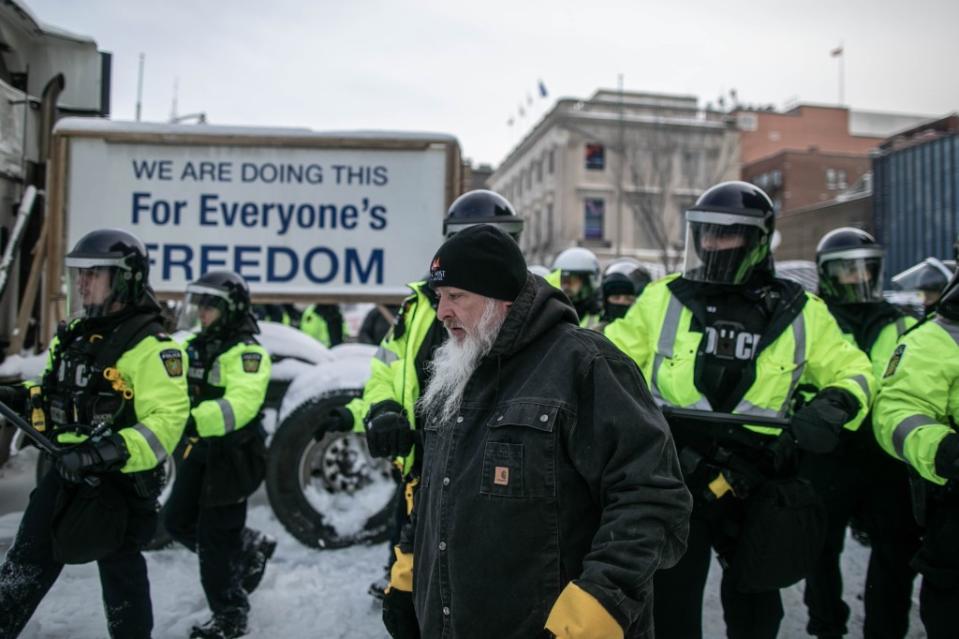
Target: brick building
(797,179)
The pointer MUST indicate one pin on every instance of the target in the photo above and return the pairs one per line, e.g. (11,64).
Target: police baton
(726,480)
(670,412)
(42,441)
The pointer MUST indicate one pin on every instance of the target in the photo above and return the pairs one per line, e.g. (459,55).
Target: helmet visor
(722,249)
(203,308)
(578,285)
(851,280)
(929,275)
(511,225)
(95,289)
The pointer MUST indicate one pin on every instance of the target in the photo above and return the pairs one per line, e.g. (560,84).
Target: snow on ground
(306,592)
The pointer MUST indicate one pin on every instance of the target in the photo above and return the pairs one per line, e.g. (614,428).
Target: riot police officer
(727,336)
(113,394)
(623,281)
(576,272)
(915,421)
(858,480)
(223,458)
(324,323)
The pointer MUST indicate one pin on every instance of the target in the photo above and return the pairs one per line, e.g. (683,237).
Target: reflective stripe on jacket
(243,372)
(919,398)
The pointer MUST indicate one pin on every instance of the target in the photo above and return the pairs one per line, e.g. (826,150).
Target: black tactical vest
(78,392)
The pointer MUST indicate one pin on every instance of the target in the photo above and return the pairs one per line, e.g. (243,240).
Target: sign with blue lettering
(293,219)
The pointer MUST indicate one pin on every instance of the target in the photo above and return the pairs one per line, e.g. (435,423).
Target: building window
(595,157)
(549,161)
(831,179)
(593,219)
(836,179)
(539,170)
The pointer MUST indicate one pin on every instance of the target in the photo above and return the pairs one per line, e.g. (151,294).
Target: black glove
(388,433)
(816,426)
(338,420)
(101,455)
(399,616)
(15,397)
(947,457)
(189,430)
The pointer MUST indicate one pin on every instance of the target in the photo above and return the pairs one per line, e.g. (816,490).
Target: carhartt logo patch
(172,360)
(501,476)
(894,361)
(251,362)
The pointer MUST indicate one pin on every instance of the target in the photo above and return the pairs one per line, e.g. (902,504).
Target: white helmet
(581,261)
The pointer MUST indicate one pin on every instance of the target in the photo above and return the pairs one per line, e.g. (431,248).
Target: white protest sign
(291,220)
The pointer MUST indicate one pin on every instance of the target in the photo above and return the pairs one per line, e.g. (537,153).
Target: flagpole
(842,74)
(840,52)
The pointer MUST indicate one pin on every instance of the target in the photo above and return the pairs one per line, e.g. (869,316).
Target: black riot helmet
(107,271)
(482,207)
(728,234)
(849,262)
(226,292)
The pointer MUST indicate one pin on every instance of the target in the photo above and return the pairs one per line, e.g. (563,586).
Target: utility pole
(140,88)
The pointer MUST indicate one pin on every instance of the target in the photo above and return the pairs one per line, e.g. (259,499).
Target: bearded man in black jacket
(551,488)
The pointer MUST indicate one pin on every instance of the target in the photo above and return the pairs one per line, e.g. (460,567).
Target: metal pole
(842,74)
(140,88)
(620,172)
(842,77)
(23,139)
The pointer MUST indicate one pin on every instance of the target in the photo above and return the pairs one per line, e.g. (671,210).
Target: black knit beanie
(480,259)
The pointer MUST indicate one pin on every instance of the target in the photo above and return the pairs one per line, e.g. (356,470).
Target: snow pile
(348,372)
(25,366)
(284,341)
(348,513)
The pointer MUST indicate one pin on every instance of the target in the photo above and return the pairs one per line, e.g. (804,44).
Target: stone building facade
(615,172)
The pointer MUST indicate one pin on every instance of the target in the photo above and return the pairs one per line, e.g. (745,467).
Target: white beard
(455,362)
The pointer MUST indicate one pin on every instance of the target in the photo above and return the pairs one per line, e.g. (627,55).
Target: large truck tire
(328,493)
(161,539)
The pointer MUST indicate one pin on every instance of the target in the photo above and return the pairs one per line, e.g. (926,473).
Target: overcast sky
(465,68)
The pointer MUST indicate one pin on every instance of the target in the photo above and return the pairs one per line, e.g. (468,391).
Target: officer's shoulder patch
(251,362)
(172,359)
(894,361)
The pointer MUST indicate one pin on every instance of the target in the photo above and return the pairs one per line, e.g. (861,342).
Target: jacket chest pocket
(519,455)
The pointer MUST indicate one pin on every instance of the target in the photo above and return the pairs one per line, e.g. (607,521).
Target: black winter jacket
(559,467)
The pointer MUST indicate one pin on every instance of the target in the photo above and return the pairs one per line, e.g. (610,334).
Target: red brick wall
(826,128)
(804,175)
